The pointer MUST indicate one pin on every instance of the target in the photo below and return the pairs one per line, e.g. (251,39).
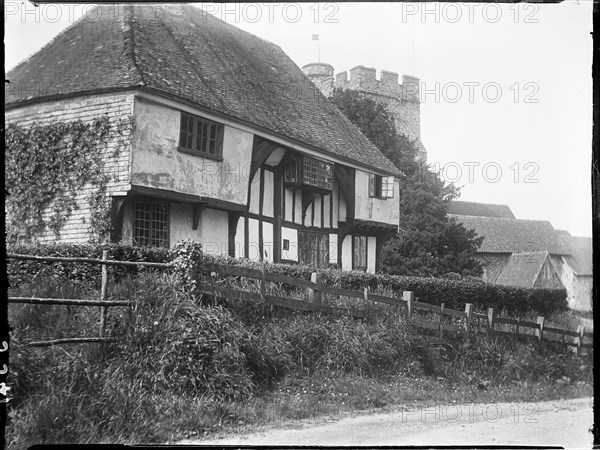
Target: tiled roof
(480,209)
(181,51)
(514,235)
(522,269)
(580,252)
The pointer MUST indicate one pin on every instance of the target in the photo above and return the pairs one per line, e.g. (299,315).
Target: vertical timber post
(581,331)
(103,294)
(468,316)
(442,311)
(491,315)
(262,280)
(540,330)
(314,295)
(408,297)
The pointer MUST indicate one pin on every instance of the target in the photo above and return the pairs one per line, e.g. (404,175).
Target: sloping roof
(522,269)
(514,235)
(480,209)
(183,52)
(580,252)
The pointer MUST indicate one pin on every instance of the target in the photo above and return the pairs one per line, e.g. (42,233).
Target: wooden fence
(467,321)
(103,302)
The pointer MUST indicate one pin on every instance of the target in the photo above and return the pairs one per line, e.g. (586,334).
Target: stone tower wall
(401,100)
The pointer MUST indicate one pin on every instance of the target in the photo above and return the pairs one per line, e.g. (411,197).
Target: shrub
(453,292)
(22,271)
(188,260)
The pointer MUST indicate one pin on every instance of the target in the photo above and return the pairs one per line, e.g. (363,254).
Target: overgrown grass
(186,367)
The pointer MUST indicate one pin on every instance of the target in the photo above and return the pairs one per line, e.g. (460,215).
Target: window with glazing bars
(201,136)
(317,173)
(151,224)
(381,187)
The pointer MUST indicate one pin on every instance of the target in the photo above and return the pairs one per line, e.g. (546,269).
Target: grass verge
(182,369)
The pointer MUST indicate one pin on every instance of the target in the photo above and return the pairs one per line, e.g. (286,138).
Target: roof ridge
(129,38)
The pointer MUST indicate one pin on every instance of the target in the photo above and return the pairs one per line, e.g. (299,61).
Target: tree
(429,243)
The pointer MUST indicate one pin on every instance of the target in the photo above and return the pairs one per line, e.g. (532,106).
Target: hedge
(453,292)
(22,271)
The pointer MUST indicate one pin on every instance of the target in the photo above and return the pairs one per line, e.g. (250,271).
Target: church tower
(401,100)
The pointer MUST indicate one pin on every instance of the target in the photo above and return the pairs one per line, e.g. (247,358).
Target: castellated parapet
(365,79)
(401,100)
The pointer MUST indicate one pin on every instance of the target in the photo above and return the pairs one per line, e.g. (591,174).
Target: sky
(506,89)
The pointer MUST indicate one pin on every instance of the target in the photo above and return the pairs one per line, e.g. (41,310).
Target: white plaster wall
(269,200)
(333,249)
(347,253)
(214,225)
(375,209)
(317,219)
(291,235)
(157,163)
(371,253)
(268,241)
(180,224)
(240,238)
(298,217)
(253,248)
(255,193)
(582,298)
(308,218)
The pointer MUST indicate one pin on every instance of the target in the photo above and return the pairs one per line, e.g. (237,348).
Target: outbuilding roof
(480,209)
(182,52)
(502,235)
(522,269)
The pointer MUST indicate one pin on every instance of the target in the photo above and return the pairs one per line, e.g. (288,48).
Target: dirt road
(554,423)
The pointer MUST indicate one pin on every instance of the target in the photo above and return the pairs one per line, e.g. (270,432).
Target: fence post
(491,315)
(581,331)
(540,321)
(408,296)
(468,315)
(262,280)
(314,295)
(103,293)
(442,310)
(517,327)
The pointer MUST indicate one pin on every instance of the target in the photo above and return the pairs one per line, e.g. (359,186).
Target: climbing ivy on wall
(47,165)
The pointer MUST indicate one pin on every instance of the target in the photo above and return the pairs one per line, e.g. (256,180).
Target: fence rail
(104,303)
(470,321)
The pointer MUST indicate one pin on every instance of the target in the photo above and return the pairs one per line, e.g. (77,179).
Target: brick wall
(85,108)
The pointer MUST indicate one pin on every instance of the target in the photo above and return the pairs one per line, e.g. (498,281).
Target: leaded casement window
(313,248)
(201,136)
(381,187)
(151,224)
(303,170)
(359,253)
